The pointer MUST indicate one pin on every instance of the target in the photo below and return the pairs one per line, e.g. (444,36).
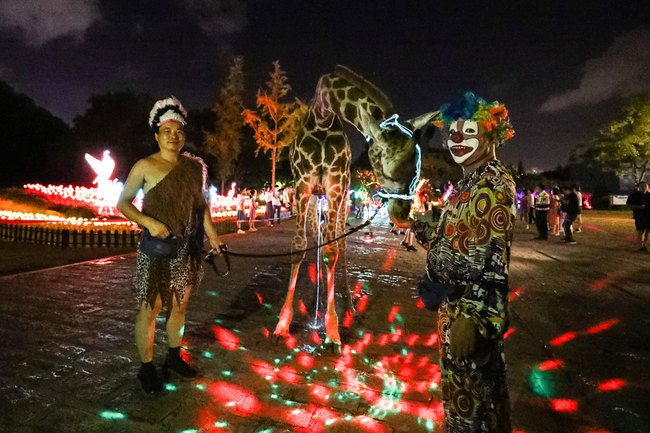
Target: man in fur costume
(174,208)
(467,269)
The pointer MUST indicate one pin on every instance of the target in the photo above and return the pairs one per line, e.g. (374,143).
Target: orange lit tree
(275,122)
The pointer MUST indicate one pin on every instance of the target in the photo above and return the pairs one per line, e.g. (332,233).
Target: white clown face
(463,139)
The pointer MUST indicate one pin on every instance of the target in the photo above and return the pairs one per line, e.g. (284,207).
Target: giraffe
(320,161)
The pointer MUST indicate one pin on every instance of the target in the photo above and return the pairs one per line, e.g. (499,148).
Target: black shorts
(641,224)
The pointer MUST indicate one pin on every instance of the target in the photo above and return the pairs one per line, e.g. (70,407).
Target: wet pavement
(578,350)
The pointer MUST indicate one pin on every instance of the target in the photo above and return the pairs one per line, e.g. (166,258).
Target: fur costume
(177,201)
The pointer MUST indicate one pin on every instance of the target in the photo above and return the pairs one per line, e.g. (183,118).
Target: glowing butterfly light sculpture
(108,190)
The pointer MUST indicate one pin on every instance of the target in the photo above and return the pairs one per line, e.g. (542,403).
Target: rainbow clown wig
(167,110)
(494,116)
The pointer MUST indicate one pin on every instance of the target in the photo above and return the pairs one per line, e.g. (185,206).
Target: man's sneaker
(178,366)
(240,231)
(252,229)
(149,380)
(572,242)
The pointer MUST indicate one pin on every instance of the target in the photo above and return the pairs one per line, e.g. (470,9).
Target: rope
(351,231)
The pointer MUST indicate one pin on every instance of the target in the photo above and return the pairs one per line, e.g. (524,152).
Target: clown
(467,269)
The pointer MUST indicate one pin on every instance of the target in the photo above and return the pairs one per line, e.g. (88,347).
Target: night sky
(562,68)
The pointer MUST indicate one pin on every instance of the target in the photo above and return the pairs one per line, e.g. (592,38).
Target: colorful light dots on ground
(564,405)
(238,399)
(226,338)
(111,415)
(612,385)
(551,364)
(564,338)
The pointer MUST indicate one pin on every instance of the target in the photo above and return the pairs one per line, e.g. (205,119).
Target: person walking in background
(176,217)
(525,208)
(531,208)
(277,206)
(240,200)
(252,211)
(639,202)
(570,208)
(577,224)
(554,212)
(542,206)
(268,198)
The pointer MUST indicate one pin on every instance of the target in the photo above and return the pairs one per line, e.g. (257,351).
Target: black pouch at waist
(158,247)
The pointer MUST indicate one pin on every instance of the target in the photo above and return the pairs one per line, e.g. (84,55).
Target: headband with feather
(167,110)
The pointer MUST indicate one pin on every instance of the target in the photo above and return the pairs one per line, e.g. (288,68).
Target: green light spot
(348,417)
(181,331)
(275,396)
(226,373)
(325,368)
(267,306)
(277,360)
(308,377)
(267,430)
(430,425)
(170,387)
(542,383)
(112,415)
(219,321)
(200,386)
(275,385)
(289,357)
(405,351)
(398,318)
(190,430)
(208,355)
(330,421)
(160,319)
(212,293)
(242,348)
(360,332)
(221,424)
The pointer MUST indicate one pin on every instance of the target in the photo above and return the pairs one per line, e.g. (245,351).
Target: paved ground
(578,351)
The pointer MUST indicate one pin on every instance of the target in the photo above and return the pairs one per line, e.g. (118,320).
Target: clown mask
(463,140)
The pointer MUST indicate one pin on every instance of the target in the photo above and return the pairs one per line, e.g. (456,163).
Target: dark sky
(561,67)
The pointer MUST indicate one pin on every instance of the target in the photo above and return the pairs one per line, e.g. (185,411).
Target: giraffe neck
(336,94)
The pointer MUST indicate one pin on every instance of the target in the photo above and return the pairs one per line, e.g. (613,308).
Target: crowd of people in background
(274,199)
(558,210)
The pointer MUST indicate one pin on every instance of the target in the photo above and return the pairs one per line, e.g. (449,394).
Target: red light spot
(612,385)
(396,336)
(564,405)
(508,332)
(551,365)
(243,401)
(423,361)
(259,298)
(315,338)
(419,303)
(383,340)
(290,341)
(302,307)
(266,332)
(347,321)
(226,338)
(515,293)
(406,372)
(413,339)
(564,338)
(602,326)
(390,258)
(363,303)
(305,360)
(357,289)
(264,369)
(599,284)
(320,392)
(370,425)
(433,339)
(393,313)
(312,273)
(289,375)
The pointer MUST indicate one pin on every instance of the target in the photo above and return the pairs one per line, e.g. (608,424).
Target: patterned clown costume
(470,253)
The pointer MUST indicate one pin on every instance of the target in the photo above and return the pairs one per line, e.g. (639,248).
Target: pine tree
(224,141)
(276,122)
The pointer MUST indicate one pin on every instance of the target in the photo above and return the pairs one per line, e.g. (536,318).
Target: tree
(115,121)
(623,146)
(224,141)
(275,124)
(36,146)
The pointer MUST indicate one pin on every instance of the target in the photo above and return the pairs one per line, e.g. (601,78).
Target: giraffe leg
(331,318)
(299,243)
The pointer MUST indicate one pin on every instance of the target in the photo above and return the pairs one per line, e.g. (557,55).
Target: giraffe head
(394,155)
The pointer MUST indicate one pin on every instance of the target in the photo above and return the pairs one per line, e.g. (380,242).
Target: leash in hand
(211,257)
